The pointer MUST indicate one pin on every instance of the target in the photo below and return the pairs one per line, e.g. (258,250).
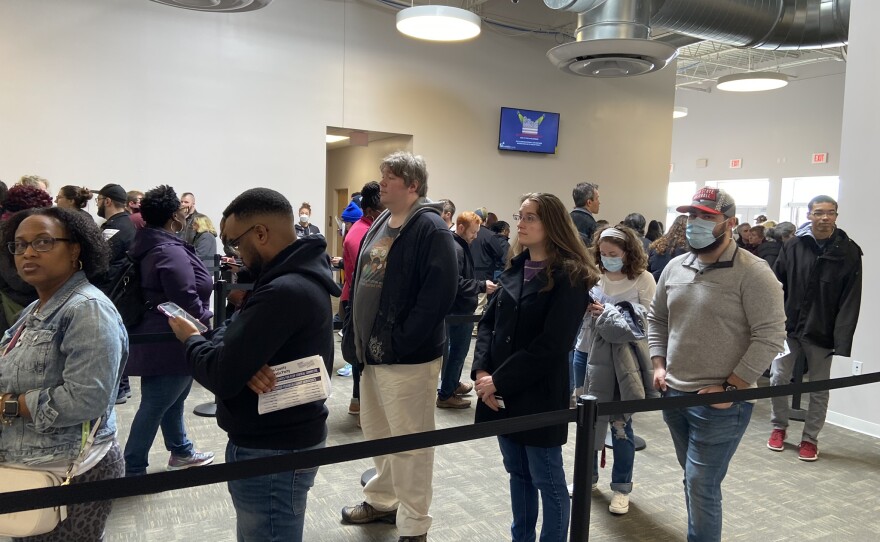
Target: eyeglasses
(528,219)
(823,214)
(40,244)
(233,243)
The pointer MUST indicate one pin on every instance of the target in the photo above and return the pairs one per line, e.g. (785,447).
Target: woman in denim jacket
(61,361)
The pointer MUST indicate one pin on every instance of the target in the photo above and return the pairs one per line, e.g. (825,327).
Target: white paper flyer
(297,382)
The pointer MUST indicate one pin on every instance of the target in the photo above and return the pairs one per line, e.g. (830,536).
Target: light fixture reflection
(335,138)
(679,112)
(438,23)
(752,82)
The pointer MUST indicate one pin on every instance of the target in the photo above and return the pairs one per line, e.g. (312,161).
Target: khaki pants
(399,400)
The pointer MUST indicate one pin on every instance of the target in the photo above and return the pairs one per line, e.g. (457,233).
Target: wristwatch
(728,386)
(10,409)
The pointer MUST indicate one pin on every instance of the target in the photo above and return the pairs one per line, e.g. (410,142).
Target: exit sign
(820,157)
(736,163)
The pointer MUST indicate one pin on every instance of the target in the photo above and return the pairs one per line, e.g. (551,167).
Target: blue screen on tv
(528,131)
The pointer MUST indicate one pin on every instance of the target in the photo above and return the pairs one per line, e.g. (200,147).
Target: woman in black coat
(521,358)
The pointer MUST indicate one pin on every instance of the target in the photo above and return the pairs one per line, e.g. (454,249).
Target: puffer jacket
(619,366)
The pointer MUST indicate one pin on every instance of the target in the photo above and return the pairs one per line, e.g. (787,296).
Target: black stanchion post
(583,467)
(797,413)
(209,410)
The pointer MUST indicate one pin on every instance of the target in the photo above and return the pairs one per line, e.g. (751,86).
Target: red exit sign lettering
(820,157)
(736,163)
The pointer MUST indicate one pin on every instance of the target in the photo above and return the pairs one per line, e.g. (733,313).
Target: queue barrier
(584,415)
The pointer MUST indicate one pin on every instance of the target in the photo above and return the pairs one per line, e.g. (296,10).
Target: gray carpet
(767,495)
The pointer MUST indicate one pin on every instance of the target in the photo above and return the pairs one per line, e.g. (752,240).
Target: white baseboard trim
(853,424)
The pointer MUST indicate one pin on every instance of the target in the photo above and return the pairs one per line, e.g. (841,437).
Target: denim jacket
(67,360)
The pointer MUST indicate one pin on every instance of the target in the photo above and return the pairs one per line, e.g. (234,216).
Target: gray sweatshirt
(711,321)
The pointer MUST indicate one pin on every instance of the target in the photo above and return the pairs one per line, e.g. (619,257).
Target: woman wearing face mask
(170,271)
(303,227)
(625,278)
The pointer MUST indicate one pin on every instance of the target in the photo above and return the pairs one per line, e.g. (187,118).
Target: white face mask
(303,219)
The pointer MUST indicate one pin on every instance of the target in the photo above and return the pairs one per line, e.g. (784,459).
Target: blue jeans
(705,440)
(269,508)
(533,469)
(624,449)
(458,337)
(578,369)
(162,399)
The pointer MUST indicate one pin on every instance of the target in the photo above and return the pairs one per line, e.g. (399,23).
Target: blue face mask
(612,264)
(701,232)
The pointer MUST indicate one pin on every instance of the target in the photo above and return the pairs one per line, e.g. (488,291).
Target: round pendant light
(438,23)
(752,82)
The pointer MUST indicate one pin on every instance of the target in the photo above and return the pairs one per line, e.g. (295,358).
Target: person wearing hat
(716,323)
(118,230)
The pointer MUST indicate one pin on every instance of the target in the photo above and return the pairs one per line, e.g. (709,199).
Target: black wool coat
(523,341)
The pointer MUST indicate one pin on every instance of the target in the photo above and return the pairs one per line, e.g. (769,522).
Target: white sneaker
(619,503)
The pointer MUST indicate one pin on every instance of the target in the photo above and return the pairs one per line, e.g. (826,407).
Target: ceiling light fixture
(679,112)
(752,82)
(217,6)
(438,23)
(335,138)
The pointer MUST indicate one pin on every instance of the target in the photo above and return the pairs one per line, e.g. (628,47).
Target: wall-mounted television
(525,130)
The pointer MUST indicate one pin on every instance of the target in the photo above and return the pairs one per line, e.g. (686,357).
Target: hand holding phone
(173,310)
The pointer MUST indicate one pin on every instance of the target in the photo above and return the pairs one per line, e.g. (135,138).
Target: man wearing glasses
(820,269)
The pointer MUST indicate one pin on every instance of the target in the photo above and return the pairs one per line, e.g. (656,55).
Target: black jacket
(286,317)
(468,287)
(486,252)
(421,280)
(769,251)
(585,224)
(657,262)
(523,341)
(119,243)
(823,289)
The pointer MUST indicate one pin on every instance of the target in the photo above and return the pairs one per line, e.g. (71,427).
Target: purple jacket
(170,271)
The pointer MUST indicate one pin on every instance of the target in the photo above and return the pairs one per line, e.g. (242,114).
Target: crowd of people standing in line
(569,304)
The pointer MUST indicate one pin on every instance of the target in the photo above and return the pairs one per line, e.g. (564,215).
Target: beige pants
(399,400)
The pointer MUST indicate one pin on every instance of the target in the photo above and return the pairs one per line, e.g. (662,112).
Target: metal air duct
(217,6)
(613,35)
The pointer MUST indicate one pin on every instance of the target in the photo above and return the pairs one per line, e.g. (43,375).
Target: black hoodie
(286,317)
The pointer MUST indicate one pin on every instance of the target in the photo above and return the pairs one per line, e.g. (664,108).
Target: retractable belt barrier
(585,416)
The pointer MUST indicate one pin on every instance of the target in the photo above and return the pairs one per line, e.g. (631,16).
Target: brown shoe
(463,389)
(354,407)
(453,402)
(365,513)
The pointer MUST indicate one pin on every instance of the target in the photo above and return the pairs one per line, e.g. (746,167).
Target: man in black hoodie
(269,329)
(404,284)
(820,269)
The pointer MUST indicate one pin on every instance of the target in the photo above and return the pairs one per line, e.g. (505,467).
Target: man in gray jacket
(716,323)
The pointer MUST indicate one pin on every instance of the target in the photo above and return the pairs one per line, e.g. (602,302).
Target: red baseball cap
(711,200)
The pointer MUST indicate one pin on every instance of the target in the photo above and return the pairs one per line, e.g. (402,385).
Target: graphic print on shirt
(372,273)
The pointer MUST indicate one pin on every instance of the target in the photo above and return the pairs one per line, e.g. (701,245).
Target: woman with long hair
(170,271)
(521,359)
(672,244)
(615,328)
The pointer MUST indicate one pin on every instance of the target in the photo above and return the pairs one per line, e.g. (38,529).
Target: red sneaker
(777,440)
(808,451)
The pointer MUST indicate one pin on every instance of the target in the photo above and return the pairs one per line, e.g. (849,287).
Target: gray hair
(781,231)
(584,192)
(409,167)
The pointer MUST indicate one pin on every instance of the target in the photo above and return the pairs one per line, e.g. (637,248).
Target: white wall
(138,93)
(775,133)
(859,408)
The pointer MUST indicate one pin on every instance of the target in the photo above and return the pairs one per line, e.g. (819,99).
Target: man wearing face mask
(303,227)
(716,323)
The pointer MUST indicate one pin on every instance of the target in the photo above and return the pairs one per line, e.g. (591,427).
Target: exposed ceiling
(371,136)
(699,66)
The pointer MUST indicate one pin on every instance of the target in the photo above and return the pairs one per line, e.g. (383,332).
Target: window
(678,194)
(751,196)
(797,193)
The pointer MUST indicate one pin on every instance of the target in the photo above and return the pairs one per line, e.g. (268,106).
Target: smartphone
(173,310)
